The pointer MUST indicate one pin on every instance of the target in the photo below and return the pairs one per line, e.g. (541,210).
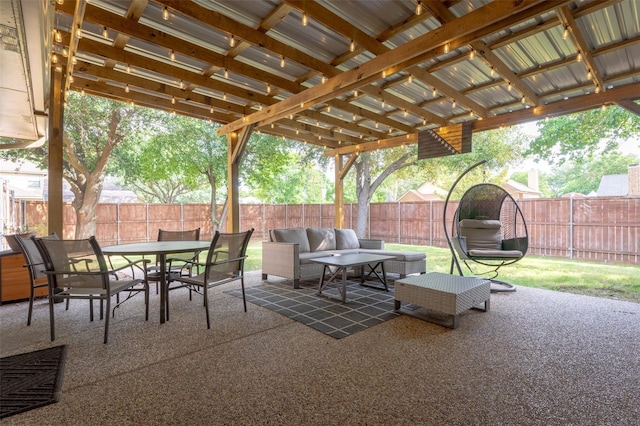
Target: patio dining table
(160,249)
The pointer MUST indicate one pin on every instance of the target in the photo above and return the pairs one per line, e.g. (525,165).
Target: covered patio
(537,358)
(350,76)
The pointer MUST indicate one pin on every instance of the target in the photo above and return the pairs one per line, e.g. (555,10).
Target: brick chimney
(633,173)
(532,180)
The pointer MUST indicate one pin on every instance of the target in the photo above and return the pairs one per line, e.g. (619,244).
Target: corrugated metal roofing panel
(412,33)
(270,63)
(249,13)
(371,16)
(619,61)
(315,39)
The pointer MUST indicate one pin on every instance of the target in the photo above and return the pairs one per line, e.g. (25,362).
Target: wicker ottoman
(449,294)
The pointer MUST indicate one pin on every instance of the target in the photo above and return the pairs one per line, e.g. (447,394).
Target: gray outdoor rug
(365,307)
(31,380)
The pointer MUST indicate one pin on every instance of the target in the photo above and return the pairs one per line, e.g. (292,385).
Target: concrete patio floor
(536,358)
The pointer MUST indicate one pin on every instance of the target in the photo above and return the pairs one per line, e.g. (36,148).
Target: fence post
(431,223)
(369,221)
(118,223)
(399,222)
(147,227)
(571,227)
(264,229)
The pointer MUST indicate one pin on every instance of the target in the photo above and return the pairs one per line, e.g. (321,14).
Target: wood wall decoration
(449,140)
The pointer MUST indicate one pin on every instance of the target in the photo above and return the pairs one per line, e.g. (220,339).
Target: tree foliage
(276,170)
(580,136)
(182,155)
(582,177)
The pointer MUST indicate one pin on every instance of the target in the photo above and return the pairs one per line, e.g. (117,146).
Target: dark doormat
(365,307)
(31,380)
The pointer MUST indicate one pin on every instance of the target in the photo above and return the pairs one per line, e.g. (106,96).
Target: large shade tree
(93,128)
(182,156)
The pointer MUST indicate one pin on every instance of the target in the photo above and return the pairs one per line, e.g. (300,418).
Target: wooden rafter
(581,45)
(468,28)
(342,118)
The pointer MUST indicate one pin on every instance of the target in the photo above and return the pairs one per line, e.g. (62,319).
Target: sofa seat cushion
(346,239)
(293,235)
(306,257)
(321,239)
(405,256)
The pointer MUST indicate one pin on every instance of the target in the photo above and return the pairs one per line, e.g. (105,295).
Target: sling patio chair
(225,263)
(77,269)
(175,263)
(34,265)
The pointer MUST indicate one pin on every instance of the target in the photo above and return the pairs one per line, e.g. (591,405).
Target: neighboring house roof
(520,190)
(573,195)
(414,195)
(613,185)
(111,193)
(425,192)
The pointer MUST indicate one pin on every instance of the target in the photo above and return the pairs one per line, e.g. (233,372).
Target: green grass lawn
(613,281)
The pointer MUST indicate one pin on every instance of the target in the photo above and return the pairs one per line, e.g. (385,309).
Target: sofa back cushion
(482,234)
(292,235)
(346,239)
(321,239)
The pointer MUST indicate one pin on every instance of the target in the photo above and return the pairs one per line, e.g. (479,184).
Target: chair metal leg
(206,305)
(31,296)
(106,321)
(146,301)
(244,299)
(52,325)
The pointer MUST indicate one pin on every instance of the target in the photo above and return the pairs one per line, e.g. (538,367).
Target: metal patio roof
(340,73)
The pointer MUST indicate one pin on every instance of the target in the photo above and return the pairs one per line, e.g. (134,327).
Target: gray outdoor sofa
(288,251)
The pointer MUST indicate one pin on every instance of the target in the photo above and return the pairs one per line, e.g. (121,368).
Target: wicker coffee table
(449,294)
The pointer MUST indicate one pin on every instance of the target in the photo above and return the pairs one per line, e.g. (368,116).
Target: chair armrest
(97,272)
(371,244)
(460,245)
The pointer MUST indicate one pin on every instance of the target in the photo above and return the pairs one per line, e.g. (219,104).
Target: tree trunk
(214,205)
(86,183)
(365,187)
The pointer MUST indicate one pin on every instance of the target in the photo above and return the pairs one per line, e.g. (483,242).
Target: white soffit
(23,77)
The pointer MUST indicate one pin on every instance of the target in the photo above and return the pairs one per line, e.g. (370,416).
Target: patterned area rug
(31,380)
(364,308)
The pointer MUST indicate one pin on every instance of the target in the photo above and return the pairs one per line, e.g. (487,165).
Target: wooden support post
(236,143)
(339,193)
(55,134)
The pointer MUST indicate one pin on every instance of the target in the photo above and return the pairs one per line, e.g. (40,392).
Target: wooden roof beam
(569,106)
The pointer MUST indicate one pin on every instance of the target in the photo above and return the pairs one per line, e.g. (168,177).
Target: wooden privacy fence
(605,229)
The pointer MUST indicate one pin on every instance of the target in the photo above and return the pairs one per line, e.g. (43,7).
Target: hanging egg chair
(488,229)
